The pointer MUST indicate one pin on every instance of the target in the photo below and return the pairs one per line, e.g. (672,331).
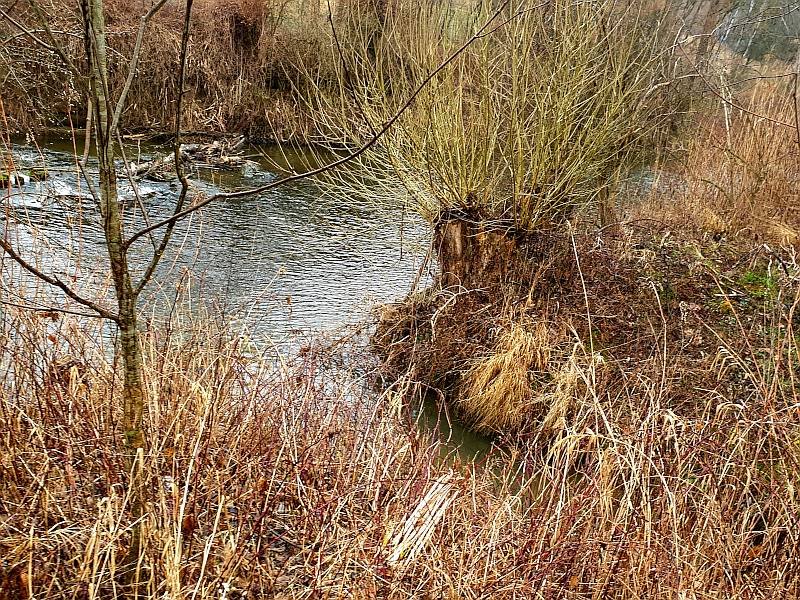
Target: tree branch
(24,32)
(332,165)
(159,252)
(347,75)
(134,187)
(55,46)
(54,281)
(50,309)
(134,63)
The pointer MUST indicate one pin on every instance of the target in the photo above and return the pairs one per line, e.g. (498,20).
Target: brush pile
(223,154)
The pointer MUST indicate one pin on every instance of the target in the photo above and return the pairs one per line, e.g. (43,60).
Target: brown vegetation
(289,480)
(239,71)
(738,175)
(641,379)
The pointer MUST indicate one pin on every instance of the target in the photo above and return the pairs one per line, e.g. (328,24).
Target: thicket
(534,122)
(291,479)
(239,74)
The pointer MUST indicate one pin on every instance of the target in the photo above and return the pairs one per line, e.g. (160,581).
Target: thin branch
(126,163)
(796,107)
(516,15)
(133,65)
(87,139)
(27,33)
(24,32)
(89,183)
(347,75)
(332,165)
(159,252)
(50,309)
(728,102)
(55,282)
(55,45)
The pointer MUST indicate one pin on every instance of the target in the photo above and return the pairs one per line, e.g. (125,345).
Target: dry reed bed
(239,67)
(737,169)
(292,480)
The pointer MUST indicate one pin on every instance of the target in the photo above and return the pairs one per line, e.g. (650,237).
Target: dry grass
(738,174)
(653,382)
(498,390)
(290,480)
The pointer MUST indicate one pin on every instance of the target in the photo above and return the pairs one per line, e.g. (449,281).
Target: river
(291,261)
(285,265)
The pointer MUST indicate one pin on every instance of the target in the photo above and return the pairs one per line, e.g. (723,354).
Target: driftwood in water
(219,154)
(158,169)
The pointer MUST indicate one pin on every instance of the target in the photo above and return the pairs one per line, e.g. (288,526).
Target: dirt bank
(515,321)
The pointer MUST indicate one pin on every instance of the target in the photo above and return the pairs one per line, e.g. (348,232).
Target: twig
(134,62)
(87,140)
(347,75)
(134,187)
(50,309)
(24,32)
(179,170)
(54,281)
(796,107)
(55,46)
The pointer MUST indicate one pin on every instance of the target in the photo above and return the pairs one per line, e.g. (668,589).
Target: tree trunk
(133,388)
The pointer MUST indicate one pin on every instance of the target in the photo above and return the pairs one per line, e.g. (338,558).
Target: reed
(736,175)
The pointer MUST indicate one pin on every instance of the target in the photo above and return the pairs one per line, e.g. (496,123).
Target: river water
(284,265)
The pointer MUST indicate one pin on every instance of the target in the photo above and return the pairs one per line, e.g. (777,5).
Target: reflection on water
(458,441)
(290,259)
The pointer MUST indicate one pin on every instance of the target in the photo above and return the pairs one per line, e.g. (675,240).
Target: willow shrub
(531,123)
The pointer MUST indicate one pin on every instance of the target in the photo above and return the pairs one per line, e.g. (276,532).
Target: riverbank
(291,479)
(615,299)
(243,68)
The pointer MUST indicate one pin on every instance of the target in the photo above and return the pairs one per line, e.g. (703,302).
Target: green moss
(759,284)
(37,174)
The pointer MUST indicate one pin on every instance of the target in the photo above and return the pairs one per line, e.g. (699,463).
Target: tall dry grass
(292,479)
(737,174)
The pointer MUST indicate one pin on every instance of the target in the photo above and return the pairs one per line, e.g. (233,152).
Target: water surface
(286,261)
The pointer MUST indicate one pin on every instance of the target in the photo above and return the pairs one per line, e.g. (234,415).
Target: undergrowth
(291,478)
(239,67)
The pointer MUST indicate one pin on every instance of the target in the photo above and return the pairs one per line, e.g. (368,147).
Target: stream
(284,265)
